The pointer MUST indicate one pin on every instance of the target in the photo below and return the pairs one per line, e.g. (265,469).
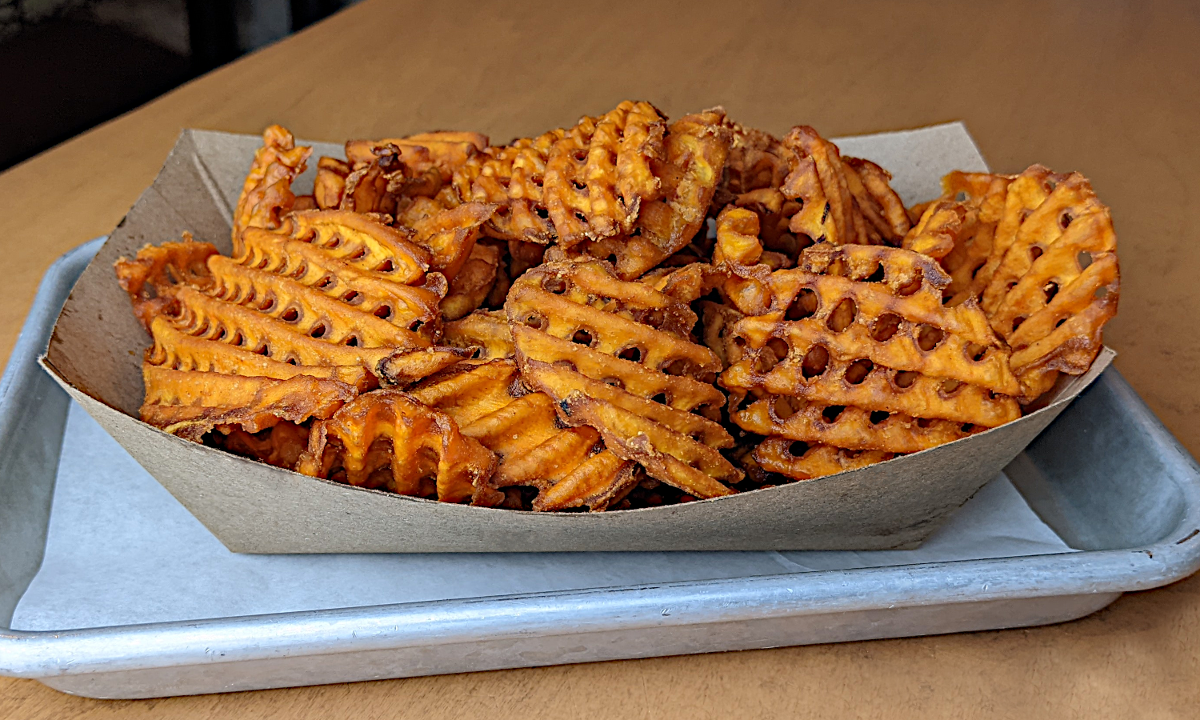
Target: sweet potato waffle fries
(624,313)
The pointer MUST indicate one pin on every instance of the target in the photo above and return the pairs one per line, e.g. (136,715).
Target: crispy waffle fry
(326,301)
(281,445)
(371,187)
(448,234)
(757,160)
(1057,283)
(486,332)
(329,186)
(958,230)
(386,439)
(405,367)
(473,282)
(737,237)
(191,404)
(852,428)
(153,276)
(1023,194)
(937,233)
(491,405)
(599,174)
(695,149)
(267,192)
(842,201)
(799,462)
(511,177)
(774,211)
(616,356)
(886,219)
(858,344)
(444,151)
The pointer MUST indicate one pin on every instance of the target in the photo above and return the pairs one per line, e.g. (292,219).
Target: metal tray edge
(263,637)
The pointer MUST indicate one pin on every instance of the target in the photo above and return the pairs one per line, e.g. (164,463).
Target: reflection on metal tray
(1103,502)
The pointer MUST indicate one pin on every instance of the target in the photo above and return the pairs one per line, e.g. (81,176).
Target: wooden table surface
(1108,88)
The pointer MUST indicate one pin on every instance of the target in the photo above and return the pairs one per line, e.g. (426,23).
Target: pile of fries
(625,313)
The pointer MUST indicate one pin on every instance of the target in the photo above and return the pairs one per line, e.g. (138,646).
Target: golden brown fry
(1057,283)
(616,350)
(191,404)
(695,149)
(330,184)
(599,174)
(369,187)
(843,201)
(326,301)
(448,234)
(280,445)
(444,151)
(737,237)
(857,343)
(984,196)
(800,462)
(669,456)
(152,277)
(177,349)
(511,177)
(939,229)
(267,192)
(484,331)
(852,428)
(596,483)
(386,439)
(490,404)
(405,367)
(474,281)
(883,212)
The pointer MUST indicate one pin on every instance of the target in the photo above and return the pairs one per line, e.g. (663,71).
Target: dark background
(67,65)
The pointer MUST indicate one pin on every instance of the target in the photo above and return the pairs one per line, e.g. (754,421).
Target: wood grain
(1108,88)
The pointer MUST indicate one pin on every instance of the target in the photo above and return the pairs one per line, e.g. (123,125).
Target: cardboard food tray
(110,588)
(95,354)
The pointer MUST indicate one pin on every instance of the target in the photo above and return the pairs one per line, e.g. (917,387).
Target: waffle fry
(267,192)
(491,405)
(857,351)
(600,172)
(511,177)
(842,201)
(153,276)
(1058,281)
(484,332)
(757,160)
(191,404)
(448,234)
(640,357)
(473,282)
(386,439)
(615,356)
(800,462)
(373,187)
(327,301)
(329,186)
(443,151)
(695,149)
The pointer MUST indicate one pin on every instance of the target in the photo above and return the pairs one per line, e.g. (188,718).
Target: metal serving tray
(1104,502)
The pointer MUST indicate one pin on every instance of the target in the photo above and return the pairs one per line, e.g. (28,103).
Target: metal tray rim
(44,654)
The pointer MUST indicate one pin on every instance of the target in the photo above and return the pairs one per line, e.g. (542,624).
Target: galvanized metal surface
(1106,476)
